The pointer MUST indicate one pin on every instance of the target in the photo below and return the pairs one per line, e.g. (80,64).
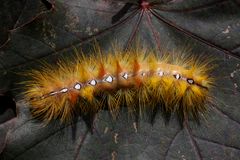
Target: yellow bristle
(136,79)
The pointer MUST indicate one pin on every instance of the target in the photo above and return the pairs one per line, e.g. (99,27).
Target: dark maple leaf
(210,27)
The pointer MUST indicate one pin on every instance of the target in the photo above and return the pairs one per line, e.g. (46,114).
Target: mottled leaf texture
(34,31)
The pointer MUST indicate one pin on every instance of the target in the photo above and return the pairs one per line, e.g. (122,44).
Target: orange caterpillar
(134,79)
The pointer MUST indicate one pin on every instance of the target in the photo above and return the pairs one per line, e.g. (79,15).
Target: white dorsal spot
(93,82)
(160,73)
(77,86)
(143,74)
(177,76)
(109,79)
(125,76)
(52,93)
(190,81)
(64,90)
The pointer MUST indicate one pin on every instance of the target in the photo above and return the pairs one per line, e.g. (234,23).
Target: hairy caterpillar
(135,78)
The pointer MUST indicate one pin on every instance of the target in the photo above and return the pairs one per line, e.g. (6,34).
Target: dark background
(32,31)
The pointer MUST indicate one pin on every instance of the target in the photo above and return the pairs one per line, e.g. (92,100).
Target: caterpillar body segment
(134,79)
